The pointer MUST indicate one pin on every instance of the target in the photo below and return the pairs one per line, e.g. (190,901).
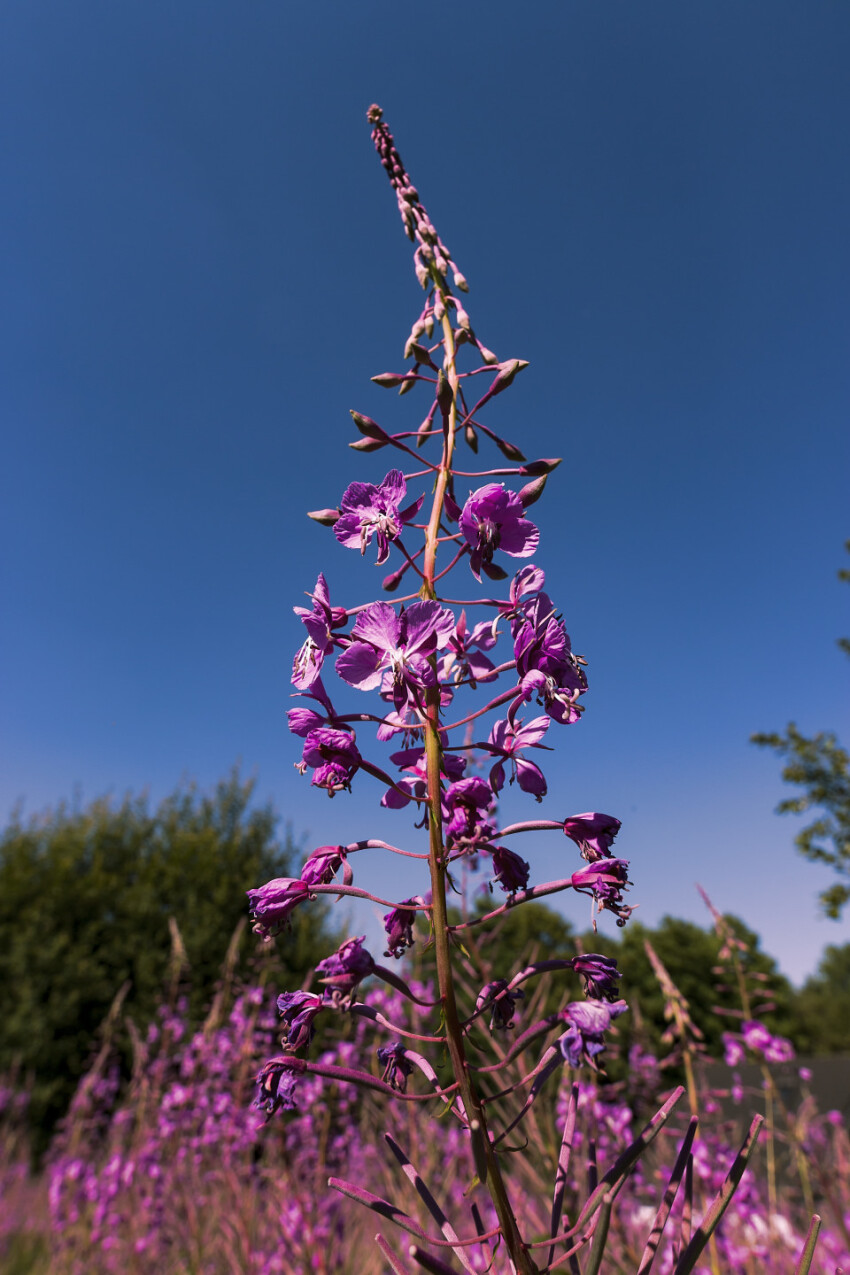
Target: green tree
(86,899)
(823,1005)
(821,767)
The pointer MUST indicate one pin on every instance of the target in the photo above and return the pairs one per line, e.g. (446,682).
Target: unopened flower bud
(389,380)
(445,397)
(509,449)
(532,491)
(487,355)
(368,444)
(327,517)
(460,281)
(507,372)
(369,427)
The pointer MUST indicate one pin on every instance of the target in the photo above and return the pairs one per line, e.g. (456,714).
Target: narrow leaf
(666,1204)
(428,1200)
(721,1201)
(805,1263)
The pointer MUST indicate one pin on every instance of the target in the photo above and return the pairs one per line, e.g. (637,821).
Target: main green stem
(437,860)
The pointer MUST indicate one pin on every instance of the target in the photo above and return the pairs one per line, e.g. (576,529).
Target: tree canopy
(821,767)
(86,901)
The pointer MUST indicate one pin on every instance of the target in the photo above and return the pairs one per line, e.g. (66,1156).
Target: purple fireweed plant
(420,658)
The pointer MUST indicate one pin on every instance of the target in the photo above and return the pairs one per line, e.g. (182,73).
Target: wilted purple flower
(368,510)
(600,976)
(322,865)
(493,518)
(593,834)
(502,1015)
(272,903)
(399,926)
(334,757)
(545,664)
(463,659)
(587,1022)
(397,1066)
(465,805)
(298,1009)
(346,967)
(276,1083)
(509,870)
(507,740)
(605,881)
(319,621)
(400,644)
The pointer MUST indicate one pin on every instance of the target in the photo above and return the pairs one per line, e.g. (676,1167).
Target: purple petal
(360,666)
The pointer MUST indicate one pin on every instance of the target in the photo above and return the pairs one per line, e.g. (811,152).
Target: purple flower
(605,881)
(320,642)
(298,1009)
(322,865)
(510,870)
(400,644)
(774,1049)
(545,663)
(502,1014)
(492,519)
(397,1067)
(399,926)
(733,1050)
(593,834)
(463,660)
(587,1022)
(465,804)
(272,903)
(303,720)
(600,976)
(276,1083)
(367,510)
(413,761)
(507,740)
(347,967)
(334,757)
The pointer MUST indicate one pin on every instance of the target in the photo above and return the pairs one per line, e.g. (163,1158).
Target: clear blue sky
(202,265)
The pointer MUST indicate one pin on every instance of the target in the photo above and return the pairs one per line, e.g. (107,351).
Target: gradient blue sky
(202,265)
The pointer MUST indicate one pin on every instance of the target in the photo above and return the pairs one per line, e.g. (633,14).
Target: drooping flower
(507,740)
(322,865)
(605,881)
(600,975)
(466,805)
(415,781)
(298,1009)
(276,1085)
(503,1003)
(334,757)
(272,903)
(510,870)
(587,1022)
(464,659)
(545,663)
(319,622)
(593,833)
(397,1066)
(367,511)
(401,644)
(493,518)
(347,967)
(399,926)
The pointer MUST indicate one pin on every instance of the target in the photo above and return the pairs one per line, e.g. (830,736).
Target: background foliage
(87,899)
